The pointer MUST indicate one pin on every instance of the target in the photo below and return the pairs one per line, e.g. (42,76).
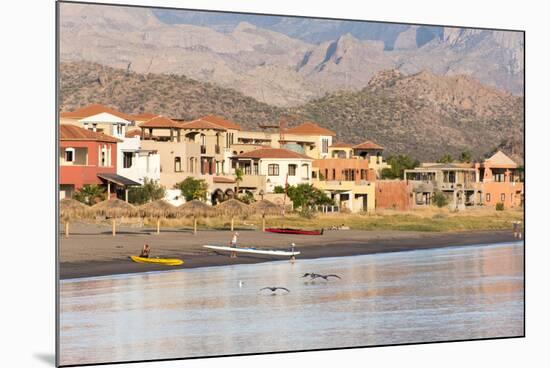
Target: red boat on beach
(279,230)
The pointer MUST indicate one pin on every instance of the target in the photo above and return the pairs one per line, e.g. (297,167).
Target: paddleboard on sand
(269,252)
(162,261)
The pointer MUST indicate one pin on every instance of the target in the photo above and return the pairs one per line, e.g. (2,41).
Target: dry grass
(431,219)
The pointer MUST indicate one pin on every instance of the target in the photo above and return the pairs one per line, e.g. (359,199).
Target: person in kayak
(233,244)
(145,251)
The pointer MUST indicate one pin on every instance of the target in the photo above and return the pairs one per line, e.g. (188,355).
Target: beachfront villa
(496,180)
(196,148)
(349,182)
(456,181)
(267,168)
(133,162)
(348,174)
(88,157)
(502,181)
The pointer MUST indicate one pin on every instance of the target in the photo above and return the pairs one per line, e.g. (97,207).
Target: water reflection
(428,295)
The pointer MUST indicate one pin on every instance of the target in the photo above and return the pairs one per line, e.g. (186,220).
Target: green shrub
(499,206)
(149,191)
(440,200)
(192,188)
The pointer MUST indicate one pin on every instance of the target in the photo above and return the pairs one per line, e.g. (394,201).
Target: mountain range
(423,115)
(283,61)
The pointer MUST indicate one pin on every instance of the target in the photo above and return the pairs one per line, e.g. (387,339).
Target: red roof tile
(69,132)
(201,124)
(136,133)
(221,179)
(94,109)
(161,122)
(342,145)
(221,122)
(309,128)
(272,153)
(368,145)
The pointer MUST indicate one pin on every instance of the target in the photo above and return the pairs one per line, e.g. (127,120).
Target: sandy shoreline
(92,251)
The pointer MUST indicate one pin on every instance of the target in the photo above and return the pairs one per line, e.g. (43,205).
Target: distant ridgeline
(423,115)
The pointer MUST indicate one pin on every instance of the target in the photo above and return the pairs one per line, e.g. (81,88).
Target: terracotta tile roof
(221,179)
(341,145)
(201,124)
(500,160)
(93,109)
(221,122)
(136,133)
(368,145)
(161,122)
(69,132)
(272,153)
(309,128)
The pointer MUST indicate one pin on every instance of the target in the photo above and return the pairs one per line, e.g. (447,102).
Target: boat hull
(294,231)
(159,261)
(267,252)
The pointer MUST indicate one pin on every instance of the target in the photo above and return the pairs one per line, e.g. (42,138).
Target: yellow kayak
(162,261)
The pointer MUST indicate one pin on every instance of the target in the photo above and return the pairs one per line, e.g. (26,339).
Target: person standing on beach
(517,230)
(292,257)
(234,244)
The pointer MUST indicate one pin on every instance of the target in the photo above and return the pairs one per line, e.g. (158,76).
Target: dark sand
(91,250)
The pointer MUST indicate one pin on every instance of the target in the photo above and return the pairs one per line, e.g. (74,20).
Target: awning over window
(118,179)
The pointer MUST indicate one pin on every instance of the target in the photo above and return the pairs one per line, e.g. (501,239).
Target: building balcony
(253,181)
(359,187)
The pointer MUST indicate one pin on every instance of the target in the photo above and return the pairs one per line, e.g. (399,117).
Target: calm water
(426,295)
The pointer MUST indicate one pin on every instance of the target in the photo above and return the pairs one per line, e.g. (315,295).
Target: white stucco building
(266,168)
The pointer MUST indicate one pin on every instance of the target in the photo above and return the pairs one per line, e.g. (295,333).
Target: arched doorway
(218,196)
(229,193)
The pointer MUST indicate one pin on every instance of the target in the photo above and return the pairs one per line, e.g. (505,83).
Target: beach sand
(91,250)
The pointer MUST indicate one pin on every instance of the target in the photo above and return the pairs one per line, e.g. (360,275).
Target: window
(273,170)
(291,170)
(247,169)
(324,145)
(256,168)
(488,197)
(502,197)
(119,129)
(102,156)
(127,160)
(314,174)
(177,164)
(69,154)
(305,171)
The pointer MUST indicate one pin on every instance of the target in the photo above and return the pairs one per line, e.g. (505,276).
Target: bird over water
(314,276)
(275,288)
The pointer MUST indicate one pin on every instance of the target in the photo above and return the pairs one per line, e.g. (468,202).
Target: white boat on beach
(269,252)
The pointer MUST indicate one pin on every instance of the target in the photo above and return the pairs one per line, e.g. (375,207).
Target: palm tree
(239,175)
(90,194)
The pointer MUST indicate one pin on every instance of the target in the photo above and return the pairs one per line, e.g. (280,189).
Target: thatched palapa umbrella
(71,208)
(266,208)
(114,208)
(157,209)
(196,209)
(233,208)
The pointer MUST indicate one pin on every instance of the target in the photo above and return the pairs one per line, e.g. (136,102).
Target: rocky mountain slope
(424,115)
(279,60)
